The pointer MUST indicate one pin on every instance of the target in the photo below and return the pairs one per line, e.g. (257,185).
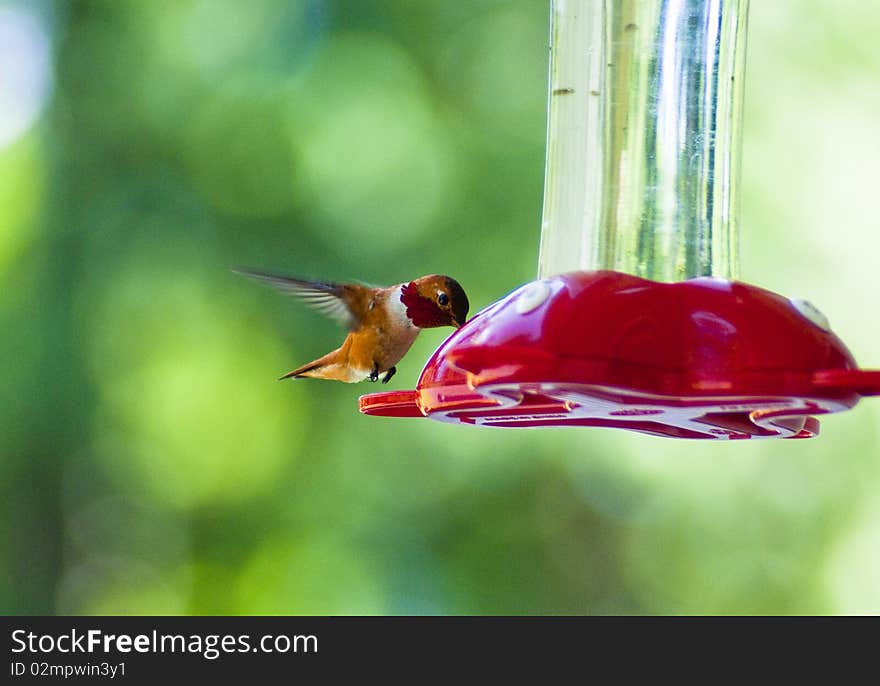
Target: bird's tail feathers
(317,369)
(300,372)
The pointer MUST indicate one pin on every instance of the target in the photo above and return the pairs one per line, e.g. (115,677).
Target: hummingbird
(382,322)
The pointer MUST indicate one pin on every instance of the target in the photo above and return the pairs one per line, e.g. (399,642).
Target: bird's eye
(443,299)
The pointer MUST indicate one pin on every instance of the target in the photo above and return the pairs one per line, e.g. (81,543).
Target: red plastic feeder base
(704,358)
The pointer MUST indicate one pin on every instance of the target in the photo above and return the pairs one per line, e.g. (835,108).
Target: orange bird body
(382,323)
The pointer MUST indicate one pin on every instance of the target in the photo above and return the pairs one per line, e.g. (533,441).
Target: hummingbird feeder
(637,320)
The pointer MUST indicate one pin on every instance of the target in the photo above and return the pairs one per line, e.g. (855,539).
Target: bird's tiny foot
(389,374)
(374,375)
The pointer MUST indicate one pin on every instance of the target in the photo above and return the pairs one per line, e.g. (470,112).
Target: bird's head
(435,300)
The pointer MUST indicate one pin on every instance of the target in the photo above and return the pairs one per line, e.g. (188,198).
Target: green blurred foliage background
(149,461)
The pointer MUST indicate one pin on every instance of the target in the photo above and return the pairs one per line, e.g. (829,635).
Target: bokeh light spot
(22,190)
(209,34)
(175,413)
(375,151)
(25,72)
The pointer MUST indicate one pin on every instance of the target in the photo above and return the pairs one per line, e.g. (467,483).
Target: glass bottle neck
(643,137)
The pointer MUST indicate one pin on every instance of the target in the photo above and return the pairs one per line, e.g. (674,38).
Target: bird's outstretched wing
(340,301)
